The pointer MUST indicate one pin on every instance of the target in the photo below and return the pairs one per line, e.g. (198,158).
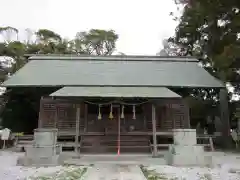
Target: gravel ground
(9,170)
(227,167)
(177,173)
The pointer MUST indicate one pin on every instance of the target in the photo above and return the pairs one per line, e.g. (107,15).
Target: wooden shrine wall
(176,114)
(62,115)
(171,114)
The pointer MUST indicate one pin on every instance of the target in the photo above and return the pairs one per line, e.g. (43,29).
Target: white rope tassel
(134,112)
(111,112)
(99,112)
(122,114)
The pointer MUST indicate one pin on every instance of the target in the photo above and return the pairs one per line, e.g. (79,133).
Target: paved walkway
(114,172)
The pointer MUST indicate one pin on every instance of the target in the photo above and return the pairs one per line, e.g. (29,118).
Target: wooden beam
(78,115)
(154,130)
(53,100)
(224,117)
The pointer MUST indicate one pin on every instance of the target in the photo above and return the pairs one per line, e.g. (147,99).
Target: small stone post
(185,151)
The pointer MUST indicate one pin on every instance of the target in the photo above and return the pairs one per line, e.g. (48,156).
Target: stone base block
(187,156)
(179,149)
(46,151)
(193,160)
(46,161)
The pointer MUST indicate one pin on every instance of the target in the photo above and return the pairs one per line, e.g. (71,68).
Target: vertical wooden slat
(172,114)
(85,117)
(186,118)
(167,121)
(154,130)
(163,116)
(56,116)
(144,118)
(78,115)
(119,131)
(40,114)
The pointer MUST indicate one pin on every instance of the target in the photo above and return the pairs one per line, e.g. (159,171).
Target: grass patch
(207,176)
(70,173)
(153,175)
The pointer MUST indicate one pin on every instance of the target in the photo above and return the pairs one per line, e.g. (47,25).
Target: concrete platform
(126,159)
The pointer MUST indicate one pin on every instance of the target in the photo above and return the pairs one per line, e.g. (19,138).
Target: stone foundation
(185,151)
(38,161)
(44,151)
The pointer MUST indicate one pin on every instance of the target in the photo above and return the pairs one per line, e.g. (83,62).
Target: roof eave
(74,85)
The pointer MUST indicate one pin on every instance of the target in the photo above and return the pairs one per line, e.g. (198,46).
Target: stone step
(123,138)
(114,149)
(37,161)
(107,143)
(126,143)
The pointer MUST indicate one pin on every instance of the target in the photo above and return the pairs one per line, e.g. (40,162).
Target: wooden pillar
(224,117)
(40,113)
(154,130)
(119,131)
(78,115)
(186,119)
(172,115)
(144,117)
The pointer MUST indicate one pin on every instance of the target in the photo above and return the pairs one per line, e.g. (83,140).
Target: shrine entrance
(110,126)
(115,128)
(115,118)
(100,120)
(112,123)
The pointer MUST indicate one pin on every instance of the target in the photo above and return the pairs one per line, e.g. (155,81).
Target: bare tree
(9,33)
(30,36)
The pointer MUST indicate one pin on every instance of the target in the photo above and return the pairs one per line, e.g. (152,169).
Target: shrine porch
(80,128)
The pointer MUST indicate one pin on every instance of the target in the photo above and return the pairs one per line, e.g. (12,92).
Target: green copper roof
(112,71)
(144,92)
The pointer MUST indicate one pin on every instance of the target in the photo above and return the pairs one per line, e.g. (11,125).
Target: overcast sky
(141,24)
